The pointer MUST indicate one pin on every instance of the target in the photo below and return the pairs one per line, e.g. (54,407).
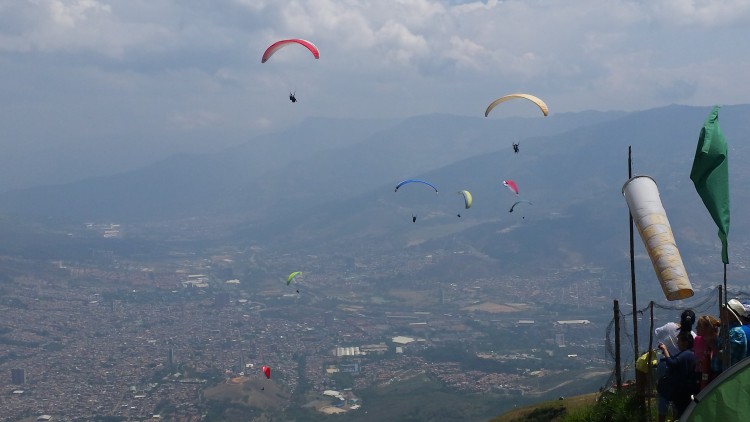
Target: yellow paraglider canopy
(292,276)
(467,198)
(536,100)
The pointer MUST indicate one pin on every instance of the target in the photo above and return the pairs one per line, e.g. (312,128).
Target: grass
(594,407)
(548,411)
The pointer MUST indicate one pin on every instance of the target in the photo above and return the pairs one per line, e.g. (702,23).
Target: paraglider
(283,43)
(292,276)
(515,147)
(467,199)
(266,371)
(511,185)
(415,181)
(414,216)
(518,202)
(273,48)
(536,100)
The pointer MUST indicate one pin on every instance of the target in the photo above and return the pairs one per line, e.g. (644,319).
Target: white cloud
(400,43)
(196,64)
(465,52)
(706,13)
(73,13)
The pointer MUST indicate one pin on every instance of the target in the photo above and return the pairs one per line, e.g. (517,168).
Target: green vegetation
(226,410)
(605,407)
(343,380)
(423,399)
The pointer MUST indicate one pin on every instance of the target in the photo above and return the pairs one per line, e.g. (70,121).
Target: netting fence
(704,303)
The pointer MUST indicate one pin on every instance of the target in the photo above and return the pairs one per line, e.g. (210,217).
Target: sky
(119,83)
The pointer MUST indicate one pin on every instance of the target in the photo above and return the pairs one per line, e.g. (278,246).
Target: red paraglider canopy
(267,371)
(511,185)
(283,43)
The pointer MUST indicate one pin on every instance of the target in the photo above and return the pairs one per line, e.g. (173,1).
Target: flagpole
(639,381)
(725,326)
(725,283)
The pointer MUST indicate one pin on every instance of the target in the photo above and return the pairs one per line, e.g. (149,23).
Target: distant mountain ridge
(301,162)
(308,188)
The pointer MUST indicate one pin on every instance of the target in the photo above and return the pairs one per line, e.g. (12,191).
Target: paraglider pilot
(515,147)
(292,98)
(413,218)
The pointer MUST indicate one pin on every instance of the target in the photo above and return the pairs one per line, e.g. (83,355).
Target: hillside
(324,193)
(548,410)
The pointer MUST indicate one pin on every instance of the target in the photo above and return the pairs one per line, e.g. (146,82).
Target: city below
(174,339)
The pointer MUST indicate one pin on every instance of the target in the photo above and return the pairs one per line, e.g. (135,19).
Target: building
(347,351)
(560,339)
(402,340)
(170,357)
(18,376)
(574,322)
(351,368)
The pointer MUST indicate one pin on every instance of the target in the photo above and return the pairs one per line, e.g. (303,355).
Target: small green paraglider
(292,276)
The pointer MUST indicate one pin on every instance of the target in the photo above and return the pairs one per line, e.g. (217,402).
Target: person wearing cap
(739,331)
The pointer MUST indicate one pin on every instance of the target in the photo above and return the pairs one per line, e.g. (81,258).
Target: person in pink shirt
(706,349)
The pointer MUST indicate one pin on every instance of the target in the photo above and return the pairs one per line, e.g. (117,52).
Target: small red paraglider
(511,185)
(267,371)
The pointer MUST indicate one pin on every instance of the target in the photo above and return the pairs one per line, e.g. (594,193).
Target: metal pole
(639,387)
(650,376)
(632,267)
(724,314)
(618,361)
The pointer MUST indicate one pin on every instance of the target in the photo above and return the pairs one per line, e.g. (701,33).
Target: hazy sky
(170,75)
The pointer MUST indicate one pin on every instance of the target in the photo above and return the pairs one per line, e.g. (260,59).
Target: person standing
(680,382)
(739,331)
(706,349)
(667,335)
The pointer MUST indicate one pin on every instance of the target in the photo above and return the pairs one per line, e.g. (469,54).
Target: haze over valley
(162,290)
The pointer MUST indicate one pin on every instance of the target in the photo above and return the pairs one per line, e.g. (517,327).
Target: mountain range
(327,185)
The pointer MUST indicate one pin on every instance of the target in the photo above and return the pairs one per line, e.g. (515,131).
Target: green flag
(710,174)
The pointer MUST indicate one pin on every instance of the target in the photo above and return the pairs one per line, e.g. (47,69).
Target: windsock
(649,216)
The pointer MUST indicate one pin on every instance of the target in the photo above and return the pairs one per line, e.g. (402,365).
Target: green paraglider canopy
(292,276)
(724,399)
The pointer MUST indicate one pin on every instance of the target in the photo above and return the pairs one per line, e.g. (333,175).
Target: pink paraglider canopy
(511,185)
(283,43)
